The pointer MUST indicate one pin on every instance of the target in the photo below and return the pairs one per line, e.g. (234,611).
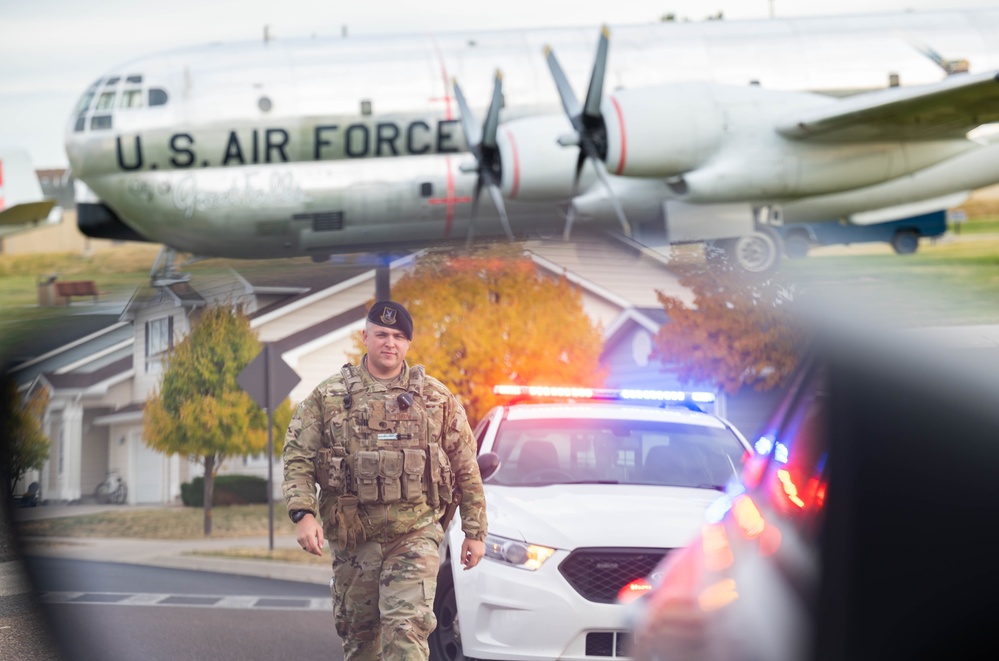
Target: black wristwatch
(298,515)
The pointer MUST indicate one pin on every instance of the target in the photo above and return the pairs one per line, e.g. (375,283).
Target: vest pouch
(433,475)
(390,473)
(447,476)
(366,476)
(413,464)
(339,472)
(322,463)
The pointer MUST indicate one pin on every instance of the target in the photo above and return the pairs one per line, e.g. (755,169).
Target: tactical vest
(377,445)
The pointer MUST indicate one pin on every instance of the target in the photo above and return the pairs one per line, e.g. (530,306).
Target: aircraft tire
(796,245)
(758,252)
(905,241)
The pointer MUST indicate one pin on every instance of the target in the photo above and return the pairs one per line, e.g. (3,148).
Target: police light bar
(699,397)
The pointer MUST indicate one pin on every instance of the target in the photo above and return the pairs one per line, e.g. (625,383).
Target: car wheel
(796,245)
(445,640)
(905,242)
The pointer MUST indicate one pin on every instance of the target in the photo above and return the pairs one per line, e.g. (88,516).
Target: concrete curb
(179,554)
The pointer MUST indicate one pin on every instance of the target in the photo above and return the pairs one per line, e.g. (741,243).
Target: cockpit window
(105,101)
(131,98)
(157,97)
(134,79)
(84,103)
(113,80)
(100,122)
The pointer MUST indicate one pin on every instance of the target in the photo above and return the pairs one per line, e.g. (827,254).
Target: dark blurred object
(858,531)
(907,570)
(31,496)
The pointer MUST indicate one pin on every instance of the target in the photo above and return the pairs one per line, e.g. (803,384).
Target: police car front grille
(599,574)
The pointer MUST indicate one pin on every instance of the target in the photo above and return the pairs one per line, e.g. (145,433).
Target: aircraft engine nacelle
(535,166)
(661,131)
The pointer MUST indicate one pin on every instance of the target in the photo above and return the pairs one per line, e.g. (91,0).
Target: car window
(481,429)
(622,451)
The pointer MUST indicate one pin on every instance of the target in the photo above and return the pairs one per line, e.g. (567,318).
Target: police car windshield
(565,451)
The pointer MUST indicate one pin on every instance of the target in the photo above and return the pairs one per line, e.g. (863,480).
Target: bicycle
(112,490)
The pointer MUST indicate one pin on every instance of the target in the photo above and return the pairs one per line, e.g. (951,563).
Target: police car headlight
(518,554)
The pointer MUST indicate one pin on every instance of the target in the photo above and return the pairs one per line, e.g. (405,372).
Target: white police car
(586,500)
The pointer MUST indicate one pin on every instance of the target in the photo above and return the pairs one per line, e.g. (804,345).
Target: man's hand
(310,535)
(472,551)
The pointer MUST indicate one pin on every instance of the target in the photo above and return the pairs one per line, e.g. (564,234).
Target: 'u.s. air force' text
(274,145)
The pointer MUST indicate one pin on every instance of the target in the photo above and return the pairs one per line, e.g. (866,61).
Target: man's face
(387,349)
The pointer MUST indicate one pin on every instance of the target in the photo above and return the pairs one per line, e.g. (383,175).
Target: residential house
(99,378)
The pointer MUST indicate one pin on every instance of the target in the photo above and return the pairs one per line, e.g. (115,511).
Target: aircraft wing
(944,110)
(26,213)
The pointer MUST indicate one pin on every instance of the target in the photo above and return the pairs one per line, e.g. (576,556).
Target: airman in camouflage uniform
(389,448)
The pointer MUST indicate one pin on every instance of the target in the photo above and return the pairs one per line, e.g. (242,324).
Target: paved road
(100,610)
(87,590)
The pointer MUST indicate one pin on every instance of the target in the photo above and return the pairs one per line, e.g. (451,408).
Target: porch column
(72,422)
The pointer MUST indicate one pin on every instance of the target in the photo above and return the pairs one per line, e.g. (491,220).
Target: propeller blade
(565,93)
(497,196)
(580,161)
(601,170)
(591,107)
(570,217)
(468,125)
(492,116)
(475,210)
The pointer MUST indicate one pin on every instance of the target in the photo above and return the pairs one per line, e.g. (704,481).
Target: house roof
(84,380)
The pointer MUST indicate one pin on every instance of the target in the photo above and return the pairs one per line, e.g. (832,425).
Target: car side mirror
(489,463)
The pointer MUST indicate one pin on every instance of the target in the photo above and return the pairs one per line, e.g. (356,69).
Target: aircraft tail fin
(21,199)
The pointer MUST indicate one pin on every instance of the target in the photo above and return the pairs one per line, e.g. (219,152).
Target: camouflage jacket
(323,414)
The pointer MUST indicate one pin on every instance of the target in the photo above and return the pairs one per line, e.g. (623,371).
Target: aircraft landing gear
(758,252)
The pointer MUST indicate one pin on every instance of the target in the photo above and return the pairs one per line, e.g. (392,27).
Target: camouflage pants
(383,596)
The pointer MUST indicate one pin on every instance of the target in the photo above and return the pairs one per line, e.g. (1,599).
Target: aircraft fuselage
(315,146)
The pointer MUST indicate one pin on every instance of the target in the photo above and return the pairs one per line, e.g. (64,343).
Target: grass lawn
(954,281)
(163,523)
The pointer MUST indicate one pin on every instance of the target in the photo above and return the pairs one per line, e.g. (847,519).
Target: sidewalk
(176,554)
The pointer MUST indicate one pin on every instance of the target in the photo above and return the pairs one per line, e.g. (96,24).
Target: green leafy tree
(740,331)
(492,317)
(199,410)
(23,446)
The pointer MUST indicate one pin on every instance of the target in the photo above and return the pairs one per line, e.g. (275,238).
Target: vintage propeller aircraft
(687,132)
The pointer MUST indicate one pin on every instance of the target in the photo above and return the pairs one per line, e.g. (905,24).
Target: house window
(159,341)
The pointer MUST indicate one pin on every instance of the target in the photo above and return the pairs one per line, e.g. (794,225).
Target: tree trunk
(209,491)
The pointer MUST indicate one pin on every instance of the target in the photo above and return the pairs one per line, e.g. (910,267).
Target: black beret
(392,315)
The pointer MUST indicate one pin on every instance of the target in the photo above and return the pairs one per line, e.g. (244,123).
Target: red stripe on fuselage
(449,200)
(514,189)
(624,138)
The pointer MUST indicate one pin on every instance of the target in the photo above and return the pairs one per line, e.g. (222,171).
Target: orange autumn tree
(740,331)
(493,317)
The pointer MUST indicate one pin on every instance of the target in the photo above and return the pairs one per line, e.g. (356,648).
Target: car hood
(595,515)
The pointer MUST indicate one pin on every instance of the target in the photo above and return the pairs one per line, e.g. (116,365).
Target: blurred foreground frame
(907,569)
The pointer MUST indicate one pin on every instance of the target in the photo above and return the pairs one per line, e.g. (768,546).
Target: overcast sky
(52,49)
